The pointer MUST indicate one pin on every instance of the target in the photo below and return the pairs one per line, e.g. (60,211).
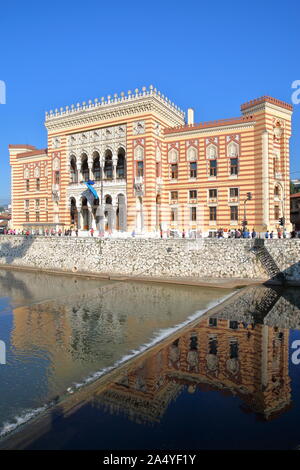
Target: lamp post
(100,210)
(282,219)
(249,197)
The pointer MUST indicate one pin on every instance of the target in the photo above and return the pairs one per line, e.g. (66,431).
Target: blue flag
(89,185)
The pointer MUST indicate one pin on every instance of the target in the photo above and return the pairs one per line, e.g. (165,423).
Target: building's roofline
(113,100)
(266,99)
(295,195)
(33,153)
(21,146)
(208,124)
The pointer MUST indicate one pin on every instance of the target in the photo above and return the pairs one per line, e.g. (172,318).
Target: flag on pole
(92,190)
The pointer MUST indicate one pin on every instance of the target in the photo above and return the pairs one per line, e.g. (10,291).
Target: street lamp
(100,209)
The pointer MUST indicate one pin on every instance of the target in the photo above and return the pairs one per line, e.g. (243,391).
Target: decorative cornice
(25,146)
(266,99)
(214,126)
(33,153)
(118,107)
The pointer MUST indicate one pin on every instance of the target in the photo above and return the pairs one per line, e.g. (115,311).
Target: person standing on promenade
(92,232)
(267,234)
(183,233)
(253,234)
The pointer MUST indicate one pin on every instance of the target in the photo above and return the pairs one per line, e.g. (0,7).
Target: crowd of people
(169,233)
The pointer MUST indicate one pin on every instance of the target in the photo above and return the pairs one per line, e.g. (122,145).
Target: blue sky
(212,56)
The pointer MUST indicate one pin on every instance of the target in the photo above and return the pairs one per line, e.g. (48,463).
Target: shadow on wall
(10,252)
(267,261)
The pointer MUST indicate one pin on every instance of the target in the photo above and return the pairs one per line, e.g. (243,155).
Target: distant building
(295,210)
(5,218)
(296,184)
(152,170)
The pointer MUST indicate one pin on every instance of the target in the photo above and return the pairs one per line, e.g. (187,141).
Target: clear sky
(211,55)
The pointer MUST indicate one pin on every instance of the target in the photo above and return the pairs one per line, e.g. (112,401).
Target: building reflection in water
(238,351)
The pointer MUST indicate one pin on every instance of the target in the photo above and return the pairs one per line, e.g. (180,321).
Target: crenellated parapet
(113,107)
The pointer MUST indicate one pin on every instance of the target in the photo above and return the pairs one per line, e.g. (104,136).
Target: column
(114,215)
(265,177)
(115,162)
(79,215)
(94,225)
(90,165)
(78,165)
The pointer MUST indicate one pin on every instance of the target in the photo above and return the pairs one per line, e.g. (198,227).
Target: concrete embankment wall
(204,258)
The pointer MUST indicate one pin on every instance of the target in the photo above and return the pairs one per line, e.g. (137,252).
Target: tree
(293,189)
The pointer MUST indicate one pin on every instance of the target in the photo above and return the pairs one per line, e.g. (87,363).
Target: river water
(228,379)
(61,332)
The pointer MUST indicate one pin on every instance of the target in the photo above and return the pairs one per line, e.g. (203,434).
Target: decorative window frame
(212,201)
(192,178)
(192,150)
(173,153)
(230,140)
(26,172)
(139,149)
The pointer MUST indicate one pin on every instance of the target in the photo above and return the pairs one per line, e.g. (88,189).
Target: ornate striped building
(153,170)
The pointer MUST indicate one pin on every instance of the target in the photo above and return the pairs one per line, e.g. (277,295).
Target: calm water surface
(62,332)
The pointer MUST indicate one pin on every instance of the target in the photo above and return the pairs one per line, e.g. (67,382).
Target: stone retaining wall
(204,258)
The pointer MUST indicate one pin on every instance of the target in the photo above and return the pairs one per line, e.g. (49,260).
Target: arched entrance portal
(121,214)
(108,214)
(84,213)
(96,215)
(73,212)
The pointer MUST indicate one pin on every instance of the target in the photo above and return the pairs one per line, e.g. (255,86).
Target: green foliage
(293,189)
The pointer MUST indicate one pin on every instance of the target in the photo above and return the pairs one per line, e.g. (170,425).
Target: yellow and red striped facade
(175,175)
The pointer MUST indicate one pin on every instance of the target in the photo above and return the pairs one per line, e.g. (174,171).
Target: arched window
(96,167)
(73,170)
(121,164)
(85,168)
(108,166)
(108,200)
(73,212)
